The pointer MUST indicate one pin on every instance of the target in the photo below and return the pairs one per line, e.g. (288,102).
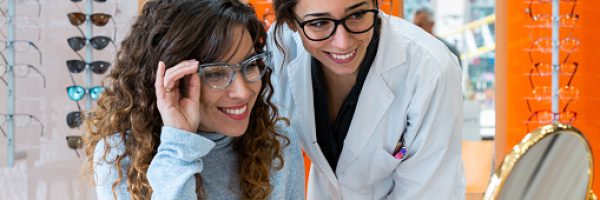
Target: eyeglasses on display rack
(22,23)
(98,42)
(75,142)
(20,70)
(567,44)
(98,19)
(541,69)
(77,92)
(74,119)
(78,66)
(37,2)
(219,75)
(544,94)
(545,20)
(323,28)
(21,46)
(21,120)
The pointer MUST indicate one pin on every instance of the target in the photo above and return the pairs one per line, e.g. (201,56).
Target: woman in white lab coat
(375,100)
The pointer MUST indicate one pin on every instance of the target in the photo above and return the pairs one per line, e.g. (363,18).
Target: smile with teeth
(237,111)
(342,56)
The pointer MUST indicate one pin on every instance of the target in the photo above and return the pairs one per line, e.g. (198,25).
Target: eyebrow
(350,8)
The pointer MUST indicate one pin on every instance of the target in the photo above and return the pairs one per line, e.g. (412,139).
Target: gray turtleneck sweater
(182,154)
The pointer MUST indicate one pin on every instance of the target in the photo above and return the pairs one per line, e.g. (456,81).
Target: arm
(171,172)
(294,162)
(433,168)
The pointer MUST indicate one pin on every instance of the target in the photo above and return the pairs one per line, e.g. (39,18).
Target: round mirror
(552,162)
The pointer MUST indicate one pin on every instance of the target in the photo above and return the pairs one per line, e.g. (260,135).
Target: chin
(235,130)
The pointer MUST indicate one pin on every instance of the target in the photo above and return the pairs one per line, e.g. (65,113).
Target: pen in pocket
(400,150)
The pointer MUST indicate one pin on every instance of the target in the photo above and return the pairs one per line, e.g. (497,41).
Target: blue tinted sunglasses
(77,93)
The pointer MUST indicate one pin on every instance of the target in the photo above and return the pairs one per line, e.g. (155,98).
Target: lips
(235,112)
(341,58)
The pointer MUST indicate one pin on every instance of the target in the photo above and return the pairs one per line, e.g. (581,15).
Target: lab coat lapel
(302,94)
(375,98)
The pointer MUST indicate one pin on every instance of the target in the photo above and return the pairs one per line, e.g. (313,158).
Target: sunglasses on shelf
(77,92)
(74,119)
(77,66)
(98,42)
(75,142)
(98,19)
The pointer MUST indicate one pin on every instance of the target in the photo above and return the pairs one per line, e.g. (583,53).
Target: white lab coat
(413,88)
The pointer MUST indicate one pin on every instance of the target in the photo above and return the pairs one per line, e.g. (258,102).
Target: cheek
(209,100)
(311,46)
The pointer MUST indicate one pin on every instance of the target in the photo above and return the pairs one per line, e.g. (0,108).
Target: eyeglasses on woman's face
(219,75)
(320,29)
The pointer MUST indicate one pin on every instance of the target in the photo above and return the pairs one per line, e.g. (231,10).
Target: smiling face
(342,53)
(227,111)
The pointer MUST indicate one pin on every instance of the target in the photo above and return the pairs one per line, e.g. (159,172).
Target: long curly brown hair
(172,31)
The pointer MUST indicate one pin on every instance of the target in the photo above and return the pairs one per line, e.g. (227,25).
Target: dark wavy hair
(173,31)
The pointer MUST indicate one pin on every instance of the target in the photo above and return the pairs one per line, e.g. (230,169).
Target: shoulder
(108,149)
(422,51)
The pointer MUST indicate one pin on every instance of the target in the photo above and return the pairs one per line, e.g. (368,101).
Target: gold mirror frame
(499,177)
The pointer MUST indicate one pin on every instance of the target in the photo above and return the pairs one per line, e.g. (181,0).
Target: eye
(215,73)
(357,15)
(318,23)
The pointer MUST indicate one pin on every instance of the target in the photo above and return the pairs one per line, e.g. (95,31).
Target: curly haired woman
(200,125)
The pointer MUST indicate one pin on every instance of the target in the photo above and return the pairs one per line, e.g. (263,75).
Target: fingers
(159,82)
(174,74)
(193,88)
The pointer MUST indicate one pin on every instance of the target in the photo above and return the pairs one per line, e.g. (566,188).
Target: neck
(339,82)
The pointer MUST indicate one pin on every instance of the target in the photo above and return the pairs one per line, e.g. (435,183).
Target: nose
(341,39)
(239,89)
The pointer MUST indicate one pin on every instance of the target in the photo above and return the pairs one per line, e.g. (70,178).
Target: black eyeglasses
(98,42)
(323,28)
(219,75)
(77,66)
(21,120)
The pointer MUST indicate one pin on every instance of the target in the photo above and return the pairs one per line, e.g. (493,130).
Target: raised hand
(179,109)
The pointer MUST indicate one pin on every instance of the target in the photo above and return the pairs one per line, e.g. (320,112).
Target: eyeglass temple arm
(39,8)
(40,123)
(114,27)
(38,50)
(4,58)
(40,73)
(114,44)
(3,132)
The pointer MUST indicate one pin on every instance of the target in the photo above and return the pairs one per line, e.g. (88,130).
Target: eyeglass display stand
(10,78)
(555,59)
(89,76)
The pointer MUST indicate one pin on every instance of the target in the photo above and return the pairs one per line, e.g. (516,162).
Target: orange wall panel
(512,65)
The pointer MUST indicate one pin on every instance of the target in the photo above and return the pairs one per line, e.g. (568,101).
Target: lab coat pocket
(383,165)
